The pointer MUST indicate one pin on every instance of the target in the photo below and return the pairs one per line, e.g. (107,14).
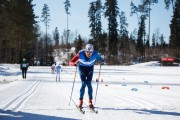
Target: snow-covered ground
(124,93)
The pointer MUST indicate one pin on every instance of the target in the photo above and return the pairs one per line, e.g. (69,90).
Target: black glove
(76,64)
(102,63)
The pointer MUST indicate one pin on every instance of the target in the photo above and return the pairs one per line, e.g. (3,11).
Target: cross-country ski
(80,109)
(93,110)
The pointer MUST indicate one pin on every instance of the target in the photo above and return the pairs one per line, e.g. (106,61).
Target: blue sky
(79,22)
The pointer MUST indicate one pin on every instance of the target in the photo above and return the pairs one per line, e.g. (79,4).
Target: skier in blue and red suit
(85,59)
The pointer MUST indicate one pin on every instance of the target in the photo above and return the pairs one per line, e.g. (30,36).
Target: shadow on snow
(11,115)
(145,111)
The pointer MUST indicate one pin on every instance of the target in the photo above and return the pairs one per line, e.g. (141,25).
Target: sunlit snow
(144,91)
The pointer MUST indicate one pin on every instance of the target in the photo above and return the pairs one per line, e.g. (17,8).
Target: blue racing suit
(86,69)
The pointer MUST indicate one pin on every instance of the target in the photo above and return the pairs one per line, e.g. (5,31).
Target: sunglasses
(88,52)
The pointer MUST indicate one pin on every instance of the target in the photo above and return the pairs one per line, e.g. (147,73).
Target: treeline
(17,30)
(20,36)
(120,47)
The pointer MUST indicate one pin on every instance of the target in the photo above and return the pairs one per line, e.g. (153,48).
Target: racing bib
(24,65)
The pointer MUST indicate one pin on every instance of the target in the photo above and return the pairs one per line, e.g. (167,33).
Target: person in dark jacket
(24,67)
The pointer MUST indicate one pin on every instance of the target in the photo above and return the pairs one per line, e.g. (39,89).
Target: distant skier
(53,68)
(86,59)
(24,67)
(58,70)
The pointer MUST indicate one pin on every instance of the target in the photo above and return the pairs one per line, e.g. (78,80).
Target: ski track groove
(67,91)
(74,100)
(137,101)
(16,103)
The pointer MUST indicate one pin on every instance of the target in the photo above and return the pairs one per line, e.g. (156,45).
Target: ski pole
(97,84)
(73,86)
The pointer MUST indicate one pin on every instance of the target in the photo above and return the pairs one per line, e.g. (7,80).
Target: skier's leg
(90,89)
(90,93)
(82,89)
(25,71)
(89,83)
(83,81)
(59,76)
(56,76)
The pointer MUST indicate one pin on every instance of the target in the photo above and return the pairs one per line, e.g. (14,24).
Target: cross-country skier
(85,59)
(53,68)
(58,70)
(24,67)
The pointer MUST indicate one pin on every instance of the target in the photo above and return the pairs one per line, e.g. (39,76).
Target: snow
(124,92)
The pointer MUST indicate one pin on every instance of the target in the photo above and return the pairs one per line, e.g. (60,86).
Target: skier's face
(88,54)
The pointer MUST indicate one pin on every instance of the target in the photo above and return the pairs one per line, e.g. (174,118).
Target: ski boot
(80,103)
(91,106)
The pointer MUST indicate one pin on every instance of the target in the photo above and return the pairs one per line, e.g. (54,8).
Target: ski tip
(82,111)
(94,111)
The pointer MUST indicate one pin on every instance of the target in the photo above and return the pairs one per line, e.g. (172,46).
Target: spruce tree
(94,15)
(175,29)
(56,37)
(67,6)
(79,43)
(18,30)
(140,43)
(111,13)
(45,19)
(92,19)
(153,41)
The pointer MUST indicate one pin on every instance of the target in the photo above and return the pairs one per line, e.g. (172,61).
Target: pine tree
(94,15)
(111,13)
(124,39)
(98,23)
(45,19)
(123,31)
(18,30)
(141,32)
(56,36)
(78,43)
(153,41)
(92,19)
(168,2)
(67,6)
(4,6)
(144,9)
(175,29)
(162,44)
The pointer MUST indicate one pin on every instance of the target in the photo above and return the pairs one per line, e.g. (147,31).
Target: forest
(20,35)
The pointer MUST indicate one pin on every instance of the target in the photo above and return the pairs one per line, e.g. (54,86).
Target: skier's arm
(27,65)
(74,60)
(21,66)
(61,68)
(55,69)
(99,58)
